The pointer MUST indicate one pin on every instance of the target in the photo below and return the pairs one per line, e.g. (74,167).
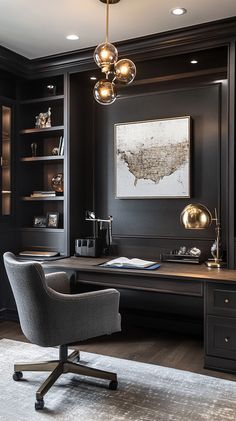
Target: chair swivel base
(65,364)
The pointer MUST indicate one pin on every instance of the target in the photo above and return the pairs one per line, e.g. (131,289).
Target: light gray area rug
(146,392)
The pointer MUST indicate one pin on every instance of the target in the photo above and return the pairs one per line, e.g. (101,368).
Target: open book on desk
(125,263)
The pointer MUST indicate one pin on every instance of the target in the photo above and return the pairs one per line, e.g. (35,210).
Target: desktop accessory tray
(176,258)
(185,258)
(184,254)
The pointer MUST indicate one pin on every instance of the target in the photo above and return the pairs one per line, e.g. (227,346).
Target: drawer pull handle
(227,339)
(226,300)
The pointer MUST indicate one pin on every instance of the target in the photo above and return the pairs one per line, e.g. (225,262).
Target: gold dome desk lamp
(197,216)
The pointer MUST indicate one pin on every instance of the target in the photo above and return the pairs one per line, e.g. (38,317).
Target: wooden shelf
(36,172)
(34,229)
(45,130)
(41,199)
(43,158)
(42,99)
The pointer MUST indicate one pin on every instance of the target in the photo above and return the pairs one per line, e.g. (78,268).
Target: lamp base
(110,1)
(214,263)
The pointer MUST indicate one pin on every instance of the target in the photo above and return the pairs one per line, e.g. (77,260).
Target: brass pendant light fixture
(106,56)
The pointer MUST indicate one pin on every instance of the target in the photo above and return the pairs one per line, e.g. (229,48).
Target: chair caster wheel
(113,385)
(17,375)
(39,404)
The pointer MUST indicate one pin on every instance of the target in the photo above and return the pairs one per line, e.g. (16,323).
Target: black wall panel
(137,220)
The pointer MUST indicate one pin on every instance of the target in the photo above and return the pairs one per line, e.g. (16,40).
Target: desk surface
(166,270)
(175,279)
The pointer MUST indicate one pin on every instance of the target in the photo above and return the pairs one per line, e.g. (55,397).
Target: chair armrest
(81,316)
(58,281)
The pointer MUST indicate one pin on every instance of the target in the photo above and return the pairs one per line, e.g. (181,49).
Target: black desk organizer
(181,258)
(88,247)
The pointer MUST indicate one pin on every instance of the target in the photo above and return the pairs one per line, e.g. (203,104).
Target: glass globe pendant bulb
(105,55)
(104,92)
(125,70)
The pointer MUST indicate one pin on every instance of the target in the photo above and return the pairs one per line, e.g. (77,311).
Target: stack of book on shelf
(61,146)
(43,193)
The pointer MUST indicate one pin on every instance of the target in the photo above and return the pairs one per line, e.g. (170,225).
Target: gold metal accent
(214,264)
(58,367)
(74,355)
(106,56)
(197,216)
(107,21)
(38,366)
(110,1)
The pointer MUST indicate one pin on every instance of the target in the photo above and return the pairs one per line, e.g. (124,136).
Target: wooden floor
(183,352)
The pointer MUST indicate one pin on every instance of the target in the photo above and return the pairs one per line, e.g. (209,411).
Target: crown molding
(13,62)
(177,41)
(192,38)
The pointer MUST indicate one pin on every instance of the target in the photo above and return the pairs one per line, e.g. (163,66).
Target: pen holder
(88,247)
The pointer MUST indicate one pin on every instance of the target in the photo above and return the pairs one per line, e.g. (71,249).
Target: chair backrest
(29,288)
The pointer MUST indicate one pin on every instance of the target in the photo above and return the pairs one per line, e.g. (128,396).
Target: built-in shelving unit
(6,159)
(46,129)
(28,198)
(41,152)
(42,158)
(46,99)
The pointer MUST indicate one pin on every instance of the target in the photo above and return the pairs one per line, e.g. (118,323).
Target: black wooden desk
(216,286)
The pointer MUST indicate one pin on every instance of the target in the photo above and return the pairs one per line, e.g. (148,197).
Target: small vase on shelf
(58,184)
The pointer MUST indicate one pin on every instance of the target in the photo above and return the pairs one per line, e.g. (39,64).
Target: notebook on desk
(125,263)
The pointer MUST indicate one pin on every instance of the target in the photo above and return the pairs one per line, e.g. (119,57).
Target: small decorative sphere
(104,92)
(125,70)
(105,55)
(195,216)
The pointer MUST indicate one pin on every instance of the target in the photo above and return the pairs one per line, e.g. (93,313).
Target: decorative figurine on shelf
(48,117)
(55,151)
(37,122)
(58,183)
(43,120)
(33,149)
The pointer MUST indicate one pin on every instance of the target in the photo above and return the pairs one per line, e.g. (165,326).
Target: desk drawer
(221,337)
(221,300)
(142,283)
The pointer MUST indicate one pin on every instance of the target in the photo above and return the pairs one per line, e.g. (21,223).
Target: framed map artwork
(152,158)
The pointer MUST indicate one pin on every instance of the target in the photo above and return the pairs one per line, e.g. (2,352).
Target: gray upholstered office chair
(51,316)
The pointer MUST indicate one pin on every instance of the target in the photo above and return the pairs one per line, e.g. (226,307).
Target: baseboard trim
(7,314)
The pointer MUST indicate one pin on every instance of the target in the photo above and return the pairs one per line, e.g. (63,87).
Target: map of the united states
(153,158)
(155,162)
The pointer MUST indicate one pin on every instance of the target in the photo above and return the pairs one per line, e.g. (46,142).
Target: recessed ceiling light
(178,11)
(93,78)
(72,37)
(194,61)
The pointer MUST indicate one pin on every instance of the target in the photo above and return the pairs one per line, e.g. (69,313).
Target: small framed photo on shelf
(52,219)
(40,222)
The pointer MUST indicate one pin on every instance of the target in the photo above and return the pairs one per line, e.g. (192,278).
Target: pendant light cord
(107,21)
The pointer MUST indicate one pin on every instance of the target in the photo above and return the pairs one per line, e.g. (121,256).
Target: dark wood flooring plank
(168,349)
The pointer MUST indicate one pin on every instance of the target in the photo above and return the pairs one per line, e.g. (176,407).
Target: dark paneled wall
(145,227)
